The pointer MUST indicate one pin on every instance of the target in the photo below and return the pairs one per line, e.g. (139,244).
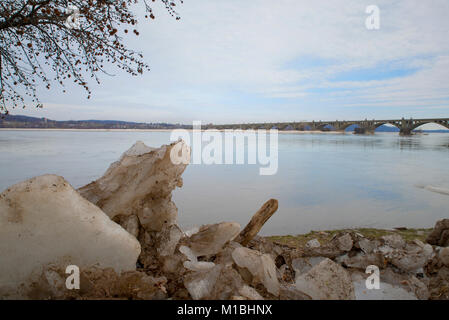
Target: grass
(325,236)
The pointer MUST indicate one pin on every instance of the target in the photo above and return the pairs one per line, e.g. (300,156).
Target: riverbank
(411,263)
(325,236)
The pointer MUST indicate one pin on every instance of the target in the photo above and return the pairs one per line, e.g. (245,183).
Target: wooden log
(257,222)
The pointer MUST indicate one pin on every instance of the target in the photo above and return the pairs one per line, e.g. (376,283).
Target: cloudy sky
(276,60)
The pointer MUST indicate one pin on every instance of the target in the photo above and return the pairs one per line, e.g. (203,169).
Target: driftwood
(257,222)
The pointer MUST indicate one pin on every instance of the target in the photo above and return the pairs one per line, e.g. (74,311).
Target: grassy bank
(325,236)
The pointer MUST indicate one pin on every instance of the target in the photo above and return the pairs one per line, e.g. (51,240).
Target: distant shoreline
(164,130)
(168,130)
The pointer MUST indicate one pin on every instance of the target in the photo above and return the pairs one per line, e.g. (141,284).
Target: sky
(239,61)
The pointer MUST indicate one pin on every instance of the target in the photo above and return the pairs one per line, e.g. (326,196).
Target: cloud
(240,61)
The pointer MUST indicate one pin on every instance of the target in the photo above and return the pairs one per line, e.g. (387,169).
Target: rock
(261,266)
(330,249)
(140,184)
(286,274)
(367,246)
(394,241)
(413,259)
(314,243)
(419,288)
(385,250)
(201,284)
(438,275)
(361,260)
(345,242)
(45,221)
(444,256)
(420,244)
(303,265)
(326,281)
(440,234)
(210,239)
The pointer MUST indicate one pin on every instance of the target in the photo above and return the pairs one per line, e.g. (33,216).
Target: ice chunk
(140,183)
(250,293)
(210,239)
(198,265)
(168,239)
(261,266)
(138,149)
(201,284)
(45,221)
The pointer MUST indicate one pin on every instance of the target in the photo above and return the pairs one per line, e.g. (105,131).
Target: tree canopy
(53,41)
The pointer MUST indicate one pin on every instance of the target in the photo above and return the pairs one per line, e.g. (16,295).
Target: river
(324,181)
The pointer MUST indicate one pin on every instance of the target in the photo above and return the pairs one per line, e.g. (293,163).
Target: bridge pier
(365,127)
(406,127)
(405,132)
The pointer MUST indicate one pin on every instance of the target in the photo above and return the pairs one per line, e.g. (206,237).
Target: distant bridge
(406,126)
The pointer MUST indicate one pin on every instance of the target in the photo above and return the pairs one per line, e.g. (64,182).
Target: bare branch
(37,46)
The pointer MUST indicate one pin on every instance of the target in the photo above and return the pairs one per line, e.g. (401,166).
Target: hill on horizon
(20,121)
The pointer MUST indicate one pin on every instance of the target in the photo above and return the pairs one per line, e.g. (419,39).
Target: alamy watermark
(373,280)
(373,20)
(73,20)
(217,147)
(73,280)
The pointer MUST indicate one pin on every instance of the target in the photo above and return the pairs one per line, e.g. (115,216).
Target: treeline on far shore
(17,121)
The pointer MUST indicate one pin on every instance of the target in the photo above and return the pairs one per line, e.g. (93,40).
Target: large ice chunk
(141,183)
(210,239)
(45,221)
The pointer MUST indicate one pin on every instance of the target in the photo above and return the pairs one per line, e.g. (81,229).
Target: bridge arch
(347,125)
(444,124)
(322,125)
(377,125)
